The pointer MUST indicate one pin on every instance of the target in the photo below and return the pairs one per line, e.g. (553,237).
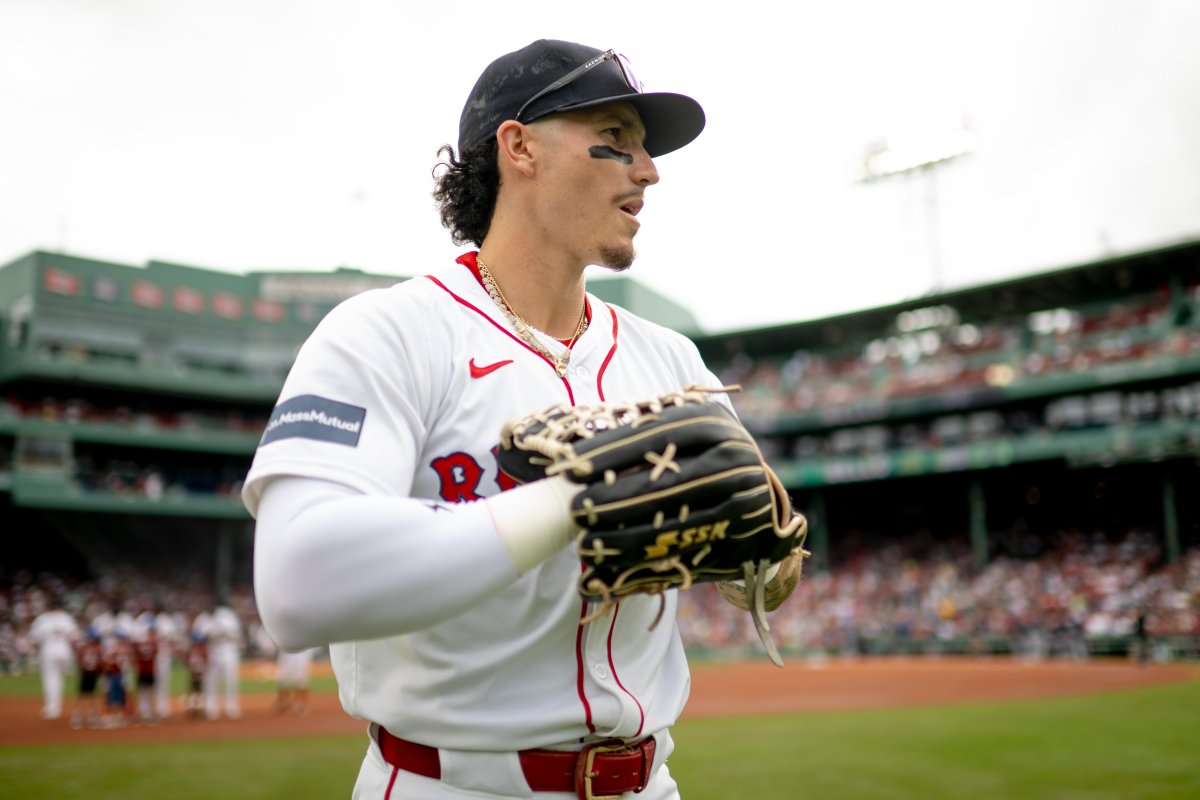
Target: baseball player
(55,632)
(383,524)
(222,631)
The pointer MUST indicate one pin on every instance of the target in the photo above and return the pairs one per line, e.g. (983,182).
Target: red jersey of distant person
(112,661)
(144,653)
(90,657)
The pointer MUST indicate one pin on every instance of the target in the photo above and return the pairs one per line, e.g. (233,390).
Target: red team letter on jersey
(459,475)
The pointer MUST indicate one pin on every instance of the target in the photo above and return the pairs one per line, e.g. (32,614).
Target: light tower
(917,155)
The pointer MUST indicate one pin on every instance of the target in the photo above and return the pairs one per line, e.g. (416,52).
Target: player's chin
(618,258)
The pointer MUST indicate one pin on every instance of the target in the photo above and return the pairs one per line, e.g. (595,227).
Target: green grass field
(1136,744)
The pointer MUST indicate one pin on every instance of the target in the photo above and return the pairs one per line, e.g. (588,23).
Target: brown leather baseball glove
(675,492)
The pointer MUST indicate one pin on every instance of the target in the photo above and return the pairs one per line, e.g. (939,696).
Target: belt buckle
(585,772)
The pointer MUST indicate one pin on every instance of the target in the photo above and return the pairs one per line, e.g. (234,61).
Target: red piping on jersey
(468,261)
(613,667)
(391,782)
(587,707)
(570,394)
(607,358)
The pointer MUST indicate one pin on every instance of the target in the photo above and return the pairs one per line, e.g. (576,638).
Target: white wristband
(534,521)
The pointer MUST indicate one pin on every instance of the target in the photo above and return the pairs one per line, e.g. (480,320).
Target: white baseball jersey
(293,669)
(54,631)
(403,392)
(166,626)
(222,628)
(118,624)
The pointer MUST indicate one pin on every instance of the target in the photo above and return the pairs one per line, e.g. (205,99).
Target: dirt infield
(717,690)
(761,688)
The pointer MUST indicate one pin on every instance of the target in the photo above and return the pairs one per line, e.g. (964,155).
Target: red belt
(598,771)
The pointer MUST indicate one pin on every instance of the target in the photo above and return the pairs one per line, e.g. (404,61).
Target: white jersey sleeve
(394,565)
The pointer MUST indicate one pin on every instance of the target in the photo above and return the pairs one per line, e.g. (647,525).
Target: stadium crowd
(1071,596)
(155,481)
(145,416)
(94,467)
(1109,409)
(943,355)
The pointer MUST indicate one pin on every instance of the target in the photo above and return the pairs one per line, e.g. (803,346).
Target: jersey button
(601,671)
(582,372)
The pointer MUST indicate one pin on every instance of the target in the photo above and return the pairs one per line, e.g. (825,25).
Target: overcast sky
(280,134)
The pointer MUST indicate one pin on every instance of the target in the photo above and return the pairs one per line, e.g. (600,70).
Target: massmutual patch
(311,417)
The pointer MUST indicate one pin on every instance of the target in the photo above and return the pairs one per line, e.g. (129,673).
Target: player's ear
(513,147)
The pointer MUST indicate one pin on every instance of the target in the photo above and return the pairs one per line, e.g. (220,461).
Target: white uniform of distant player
(293,669)
(54,631)
(222,629)
(402,392)
(169,631)
(293,672)
(115,624)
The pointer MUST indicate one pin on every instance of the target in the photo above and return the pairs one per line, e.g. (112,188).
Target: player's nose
(644,171)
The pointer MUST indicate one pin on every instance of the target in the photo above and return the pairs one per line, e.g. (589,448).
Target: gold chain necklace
(523,328)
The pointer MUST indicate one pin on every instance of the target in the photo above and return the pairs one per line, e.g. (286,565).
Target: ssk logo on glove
(686,538)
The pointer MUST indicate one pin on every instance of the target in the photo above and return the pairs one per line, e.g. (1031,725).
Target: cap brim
(671,120)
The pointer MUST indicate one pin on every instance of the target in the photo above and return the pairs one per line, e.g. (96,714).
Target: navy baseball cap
(550,76)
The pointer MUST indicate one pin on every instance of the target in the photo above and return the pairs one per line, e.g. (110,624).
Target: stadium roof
(1177,263)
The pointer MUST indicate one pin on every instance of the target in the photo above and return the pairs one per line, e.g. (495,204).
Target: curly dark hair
(466,191)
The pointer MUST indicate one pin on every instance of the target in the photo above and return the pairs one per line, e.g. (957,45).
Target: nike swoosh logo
(487,369)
